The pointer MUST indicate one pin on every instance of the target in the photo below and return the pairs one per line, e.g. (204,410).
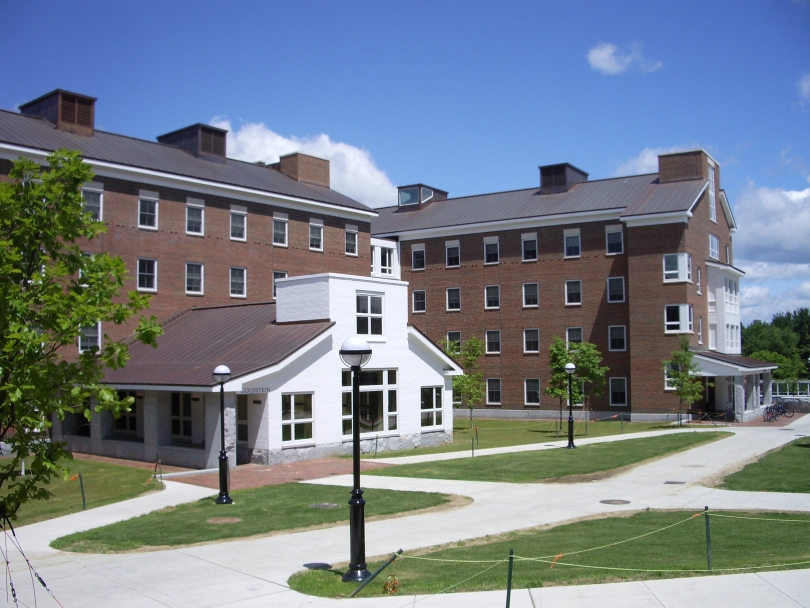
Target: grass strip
(103,484)
(504,433)
(259,511)
(666,544)
(553,464)
(783,470)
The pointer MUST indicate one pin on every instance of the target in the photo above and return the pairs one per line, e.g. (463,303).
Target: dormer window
(418,195)
(409,196)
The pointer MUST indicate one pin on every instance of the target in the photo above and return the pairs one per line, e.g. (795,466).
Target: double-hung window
(195,216)
(127,422)
(531,295)
(492,254)
(572,244)
(378,401)
(531,391)
(182,418)
(697,282)
(573,335)
(281,227)
(148,210)
(90,337)
(454,298)
(418,257)
(617,338)
(386,260)
(419,300)
(194,278)
(239,283)
(618,391)
(714,247)
(430,406)
(573,293)
(493,342)
(277,274)
(238,223)
(712,201)
(147,274)
(531,340)
(94,201)
(296,418)
(493,391)
(678,319)
(452,252)
(615,290)
(315,234)
(351,239)
(454,336)
(677,267)
(669,377)
(529,246)
(492,296)
(614,240)
(369,314)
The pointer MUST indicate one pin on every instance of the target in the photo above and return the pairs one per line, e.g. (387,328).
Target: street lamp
(355,353)
(222,374)
(570,368)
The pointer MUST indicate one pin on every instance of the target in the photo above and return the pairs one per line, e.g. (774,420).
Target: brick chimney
(680,166)
(69,112)
(304,168)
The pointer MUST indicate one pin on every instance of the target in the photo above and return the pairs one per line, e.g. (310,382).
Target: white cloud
(608,59)
(804,86)
(353,170)
(646,162)
(768,271)
(758,302)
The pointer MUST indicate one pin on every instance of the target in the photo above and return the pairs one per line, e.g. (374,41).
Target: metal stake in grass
(81,485)
(708,538)
(509,578)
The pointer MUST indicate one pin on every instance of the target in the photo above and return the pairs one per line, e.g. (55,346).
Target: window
(573,292)
(127,422)
(409,196)
(369,314)
(315,235)
(728,255)
(147,275)
(697,284)
(454,298)
(296,417)
(573,335)
(615,289)
(418,257)
(714,247)
(618,391)
(531,340)
(419,301)
(280,229)
(493,391)
(147,213)
(491,250)
(572,244)
(242,419)
(669,377)
(93,203)
(351,240)
(194,278)
(712,202)
(454,336)
(238,223)
(431,406)
(452,256)
(181,415)
(386,260)
(678,319)
(531,297)
(239,283)
(195,216)
(277,274)
(531,391)
(378,401)
(492,296)
(89,337)
(493,342)
(529,246)
(677,267)
(617,338)
(614,240)
(700,331)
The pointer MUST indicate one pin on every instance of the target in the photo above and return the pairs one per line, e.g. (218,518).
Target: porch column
(150,426)
(212,446)
(766,383)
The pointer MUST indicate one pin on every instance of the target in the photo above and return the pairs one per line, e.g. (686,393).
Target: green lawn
(502,433)
(261,511)
(540,465)
(784,470)
(674,552)
(103,484)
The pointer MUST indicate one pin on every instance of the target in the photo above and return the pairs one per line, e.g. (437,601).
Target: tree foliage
(469,387)
(589,374)
(49,289)
(787,336)
(684,375)
(789,369)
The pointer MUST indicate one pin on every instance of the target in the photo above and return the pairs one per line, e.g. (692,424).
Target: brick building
(629,264)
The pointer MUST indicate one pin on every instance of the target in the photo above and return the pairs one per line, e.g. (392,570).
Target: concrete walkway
(252,573)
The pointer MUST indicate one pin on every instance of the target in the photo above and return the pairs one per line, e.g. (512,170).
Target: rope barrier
(32,571)
(557,562)
(446,589)
(800,521)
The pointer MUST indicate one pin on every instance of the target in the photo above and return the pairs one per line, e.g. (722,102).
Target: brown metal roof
(737,360)
(244,337)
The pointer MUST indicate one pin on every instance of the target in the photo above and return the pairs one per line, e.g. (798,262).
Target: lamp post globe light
(355,353)
(221,375)
(570,368)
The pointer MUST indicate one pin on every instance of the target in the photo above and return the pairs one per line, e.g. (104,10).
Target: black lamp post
(355,353)
(222,374)
(570,368)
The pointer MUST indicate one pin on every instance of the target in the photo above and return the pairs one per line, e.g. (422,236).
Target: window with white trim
(617,338)
(615,290)
(90,337)
(529,247)
(700,331)
(351,240)
(315,235)
(728,255)
(454,298)
(238,282)
(677,267)
(493,391)
(454,336)
(297,418)
(573,248)
(386,260)
(491,253)
(678,319)
(492,296)
(669,377)
(712,202)
(452,254)
(238,223)
(531,391)
(531,295)
(493,342)
(531,340)
(369,314)
(573,335)
(378,401)
(281,227)
(148,213)
(194,278)
(277,274)
(714,247)
(697,282)
(614,240)
(419,300)
(573,292)
(418,257)
(731,296)
(93,202)
(195,216)
(618,391)
(430,402)
(147,274)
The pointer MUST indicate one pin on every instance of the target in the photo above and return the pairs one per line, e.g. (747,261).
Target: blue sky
(468,96)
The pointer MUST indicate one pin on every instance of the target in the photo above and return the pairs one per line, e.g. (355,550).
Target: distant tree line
(784,341)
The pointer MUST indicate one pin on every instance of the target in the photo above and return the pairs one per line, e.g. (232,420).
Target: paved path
(252,573)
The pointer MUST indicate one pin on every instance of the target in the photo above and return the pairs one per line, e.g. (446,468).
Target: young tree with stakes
(49,289)
(684,376)
(590,374)
(468,387)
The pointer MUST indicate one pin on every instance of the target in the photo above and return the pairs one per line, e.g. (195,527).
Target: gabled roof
(33,132)
(628,197)
(712,363)
(244,337)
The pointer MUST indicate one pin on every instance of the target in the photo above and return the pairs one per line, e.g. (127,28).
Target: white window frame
(668,380)
(435,412)
(99,190)
(281,219)
(614,230)
(607,294)
(610,338)
(683,270)
(489,241)
(154,287)
(144,198)
(526,238)
(390,410)
(82,336)
(712,195)
(351,229)
(196,204)
(525,350)
(423,300)
(279,273)
(389,267)
(372,315)
(202,279)
(568,340)
(486,342)
(448,245)
(728,255)
(700,330)
(572,233)
(414,250)
(244,282)
(486,297)
(499,389)
(447,300)
(447,337)
(714,247)
(567,283)
(685,319)
(610,391)
(526,392)
(537,295)
(697,282)
(317,224)
(293,421)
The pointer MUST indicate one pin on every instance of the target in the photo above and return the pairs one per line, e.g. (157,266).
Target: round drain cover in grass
(614,501)
(324,505)
(223,520)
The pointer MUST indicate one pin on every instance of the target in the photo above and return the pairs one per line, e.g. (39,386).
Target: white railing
(790,388)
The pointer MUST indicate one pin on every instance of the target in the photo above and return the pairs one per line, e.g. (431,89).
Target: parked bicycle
(772,412)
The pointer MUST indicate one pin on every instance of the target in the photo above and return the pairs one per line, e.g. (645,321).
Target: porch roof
(244,337)
(712,363)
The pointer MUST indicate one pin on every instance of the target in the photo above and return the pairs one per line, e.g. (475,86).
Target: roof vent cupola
(203,141)
(417,196)
(560,178)
(70,112)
